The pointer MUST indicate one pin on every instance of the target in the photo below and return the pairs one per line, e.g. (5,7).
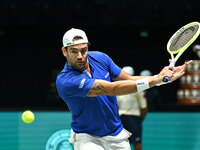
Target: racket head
(183,38)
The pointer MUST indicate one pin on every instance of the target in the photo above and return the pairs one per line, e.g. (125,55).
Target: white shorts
(83,141)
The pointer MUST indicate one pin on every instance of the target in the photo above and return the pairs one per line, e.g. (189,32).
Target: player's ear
(64,51)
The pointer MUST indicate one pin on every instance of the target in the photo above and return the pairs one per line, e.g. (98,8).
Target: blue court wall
(49,131)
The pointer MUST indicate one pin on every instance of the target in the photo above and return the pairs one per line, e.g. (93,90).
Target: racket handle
(166,78)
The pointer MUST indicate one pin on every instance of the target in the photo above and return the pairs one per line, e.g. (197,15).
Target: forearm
(124,76)
(122,87)
(134,78)
(102,87)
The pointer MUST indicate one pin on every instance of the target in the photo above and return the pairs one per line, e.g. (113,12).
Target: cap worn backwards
(70,34)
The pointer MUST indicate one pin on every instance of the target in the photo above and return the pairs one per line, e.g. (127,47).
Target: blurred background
(133,33)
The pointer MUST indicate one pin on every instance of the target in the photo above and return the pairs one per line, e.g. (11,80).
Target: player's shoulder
(98,55)
(67,77)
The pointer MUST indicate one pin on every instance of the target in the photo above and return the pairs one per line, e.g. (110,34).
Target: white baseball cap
(70,34)
(129,70)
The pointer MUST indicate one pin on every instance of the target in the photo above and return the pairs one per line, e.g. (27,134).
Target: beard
(78,65)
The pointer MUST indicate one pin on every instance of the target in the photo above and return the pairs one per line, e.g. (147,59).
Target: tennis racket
(180,41)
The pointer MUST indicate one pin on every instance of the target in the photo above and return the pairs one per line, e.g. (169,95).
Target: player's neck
(88,66)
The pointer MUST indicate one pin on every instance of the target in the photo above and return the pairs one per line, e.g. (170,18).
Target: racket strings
(183,37)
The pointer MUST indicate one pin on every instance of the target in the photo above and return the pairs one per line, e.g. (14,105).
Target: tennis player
(85,86)
(132,110)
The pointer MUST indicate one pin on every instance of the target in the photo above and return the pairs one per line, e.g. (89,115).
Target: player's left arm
(124,76)
(178,72)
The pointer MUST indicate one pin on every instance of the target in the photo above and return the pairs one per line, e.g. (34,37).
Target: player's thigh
(87,145)
(119,145)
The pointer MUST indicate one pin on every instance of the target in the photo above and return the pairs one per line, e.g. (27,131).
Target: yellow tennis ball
(28,116)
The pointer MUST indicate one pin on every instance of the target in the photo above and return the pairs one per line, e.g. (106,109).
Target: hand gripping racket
(180,41)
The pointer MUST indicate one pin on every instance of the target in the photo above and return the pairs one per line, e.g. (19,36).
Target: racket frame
(181,50)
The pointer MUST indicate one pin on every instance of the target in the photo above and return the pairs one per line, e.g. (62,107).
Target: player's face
(77,56)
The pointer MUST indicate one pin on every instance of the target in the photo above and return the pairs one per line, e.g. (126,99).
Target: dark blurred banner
(131,32)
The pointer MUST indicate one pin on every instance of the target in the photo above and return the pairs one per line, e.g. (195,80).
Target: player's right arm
(122,87)
(102,87)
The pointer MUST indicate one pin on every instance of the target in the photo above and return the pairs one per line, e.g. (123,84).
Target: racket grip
(166,79)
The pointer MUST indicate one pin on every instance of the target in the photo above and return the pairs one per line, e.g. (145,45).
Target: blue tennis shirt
(96,116)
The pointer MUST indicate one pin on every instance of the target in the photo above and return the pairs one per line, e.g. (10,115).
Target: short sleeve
(113,68)
(74,86)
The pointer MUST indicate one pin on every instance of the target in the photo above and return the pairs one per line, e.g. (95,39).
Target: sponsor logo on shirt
(107,75)
(82,83)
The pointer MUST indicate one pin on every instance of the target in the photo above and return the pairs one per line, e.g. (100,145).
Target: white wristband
(142,84)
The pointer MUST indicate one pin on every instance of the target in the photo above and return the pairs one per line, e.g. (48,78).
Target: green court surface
(51,130)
